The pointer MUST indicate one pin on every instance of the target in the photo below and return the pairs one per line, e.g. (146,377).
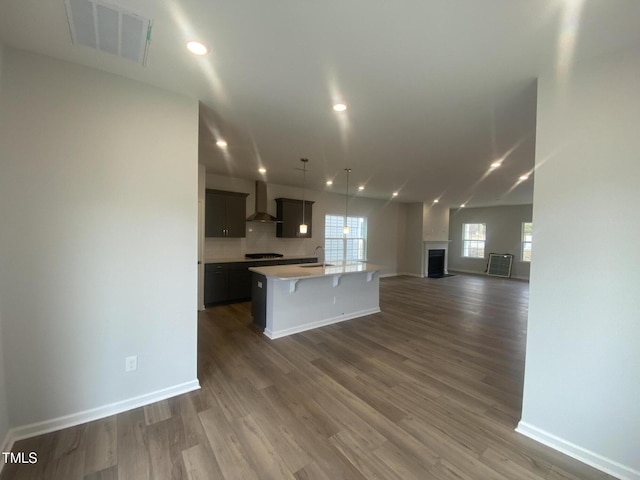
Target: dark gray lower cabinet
(239,281)
(227,282)
(216,283)
(231,282)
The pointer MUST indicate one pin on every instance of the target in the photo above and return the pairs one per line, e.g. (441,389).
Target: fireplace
(439,261)
(435,263)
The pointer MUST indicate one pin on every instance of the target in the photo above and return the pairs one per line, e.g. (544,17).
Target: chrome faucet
(315,253)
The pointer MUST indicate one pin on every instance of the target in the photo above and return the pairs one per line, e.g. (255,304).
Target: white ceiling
(436,89)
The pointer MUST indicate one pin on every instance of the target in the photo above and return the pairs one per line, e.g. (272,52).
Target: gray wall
(582,376)
(98,201)
(504,226)
(4,413)
(411,240)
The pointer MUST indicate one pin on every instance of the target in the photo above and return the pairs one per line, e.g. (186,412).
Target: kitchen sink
(316,266)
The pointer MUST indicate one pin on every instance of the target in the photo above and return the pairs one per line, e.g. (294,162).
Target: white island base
(289,299)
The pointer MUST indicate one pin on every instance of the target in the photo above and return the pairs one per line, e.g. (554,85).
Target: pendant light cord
(304,184)
(346,208)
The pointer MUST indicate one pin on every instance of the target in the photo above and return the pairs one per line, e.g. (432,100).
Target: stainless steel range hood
(261,214)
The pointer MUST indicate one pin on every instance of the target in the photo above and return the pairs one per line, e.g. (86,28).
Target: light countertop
(314,270)
(245,259)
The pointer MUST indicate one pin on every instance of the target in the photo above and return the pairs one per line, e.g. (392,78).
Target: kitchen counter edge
(296,272)
(249,260)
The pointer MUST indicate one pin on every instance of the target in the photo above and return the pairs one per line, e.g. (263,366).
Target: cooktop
(263,255)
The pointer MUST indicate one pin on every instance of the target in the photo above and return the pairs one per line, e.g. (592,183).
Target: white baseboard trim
(320,323)
(579,453)
(523,279)
(385,275)
(66,421)
(407,274)
(475,272)
(7,444)
(472,272)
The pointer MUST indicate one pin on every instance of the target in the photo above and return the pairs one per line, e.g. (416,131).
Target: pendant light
(303,225)
(345,230)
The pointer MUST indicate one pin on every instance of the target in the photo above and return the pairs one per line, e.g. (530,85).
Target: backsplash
(261,238)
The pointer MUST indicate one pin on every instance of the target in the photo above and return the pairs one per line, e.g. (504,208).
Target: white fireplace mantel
(436,244)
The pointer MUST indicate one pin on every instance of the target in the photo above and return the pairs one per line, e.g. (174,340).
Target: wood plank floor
(431,388)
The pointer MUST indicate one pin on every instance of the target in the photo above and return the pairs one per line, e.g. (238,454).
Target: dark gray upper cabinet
(290,215)
(225,214)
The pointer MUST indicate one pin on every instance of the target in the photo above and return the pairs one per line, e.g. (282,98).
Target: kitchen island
(288,299)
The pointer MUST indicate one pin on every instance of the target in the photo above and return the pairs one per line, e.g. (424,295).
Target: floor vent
(499,264)
(109,28)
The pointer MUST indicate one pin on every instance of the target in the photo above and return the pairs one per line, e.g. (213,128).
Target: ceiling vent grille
(109,28)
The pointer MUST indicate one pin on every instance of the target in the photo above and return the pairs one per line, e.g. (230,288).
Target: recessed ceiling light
(262,170)
(436,201)
(329,182)
(524,177)
(463,205)
(221,144)
(197,48)
(361,187)
(339,107)
(496,164)
(395,194)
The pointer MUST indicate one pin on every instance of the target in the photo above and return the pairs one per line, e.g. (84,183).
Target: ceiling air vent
(109,28)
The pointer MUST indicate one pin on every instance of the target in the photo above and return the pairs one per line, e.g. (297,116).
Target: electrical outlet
(335,300)
(131,363)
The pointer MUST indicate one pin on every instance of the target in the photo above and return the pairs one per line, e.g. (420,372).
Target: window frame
(354,228)
(524,242)
(466,249)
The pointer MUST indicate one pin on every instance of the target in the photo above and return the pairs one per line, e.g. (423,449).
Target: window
(337,243)
(474,235)
(527,241)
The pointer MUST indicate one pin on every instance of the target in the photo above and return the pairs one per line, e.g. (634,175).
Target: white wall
(582,376)
(383,224)
(4,412)
(504,235)
(98,201)
(435,222)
